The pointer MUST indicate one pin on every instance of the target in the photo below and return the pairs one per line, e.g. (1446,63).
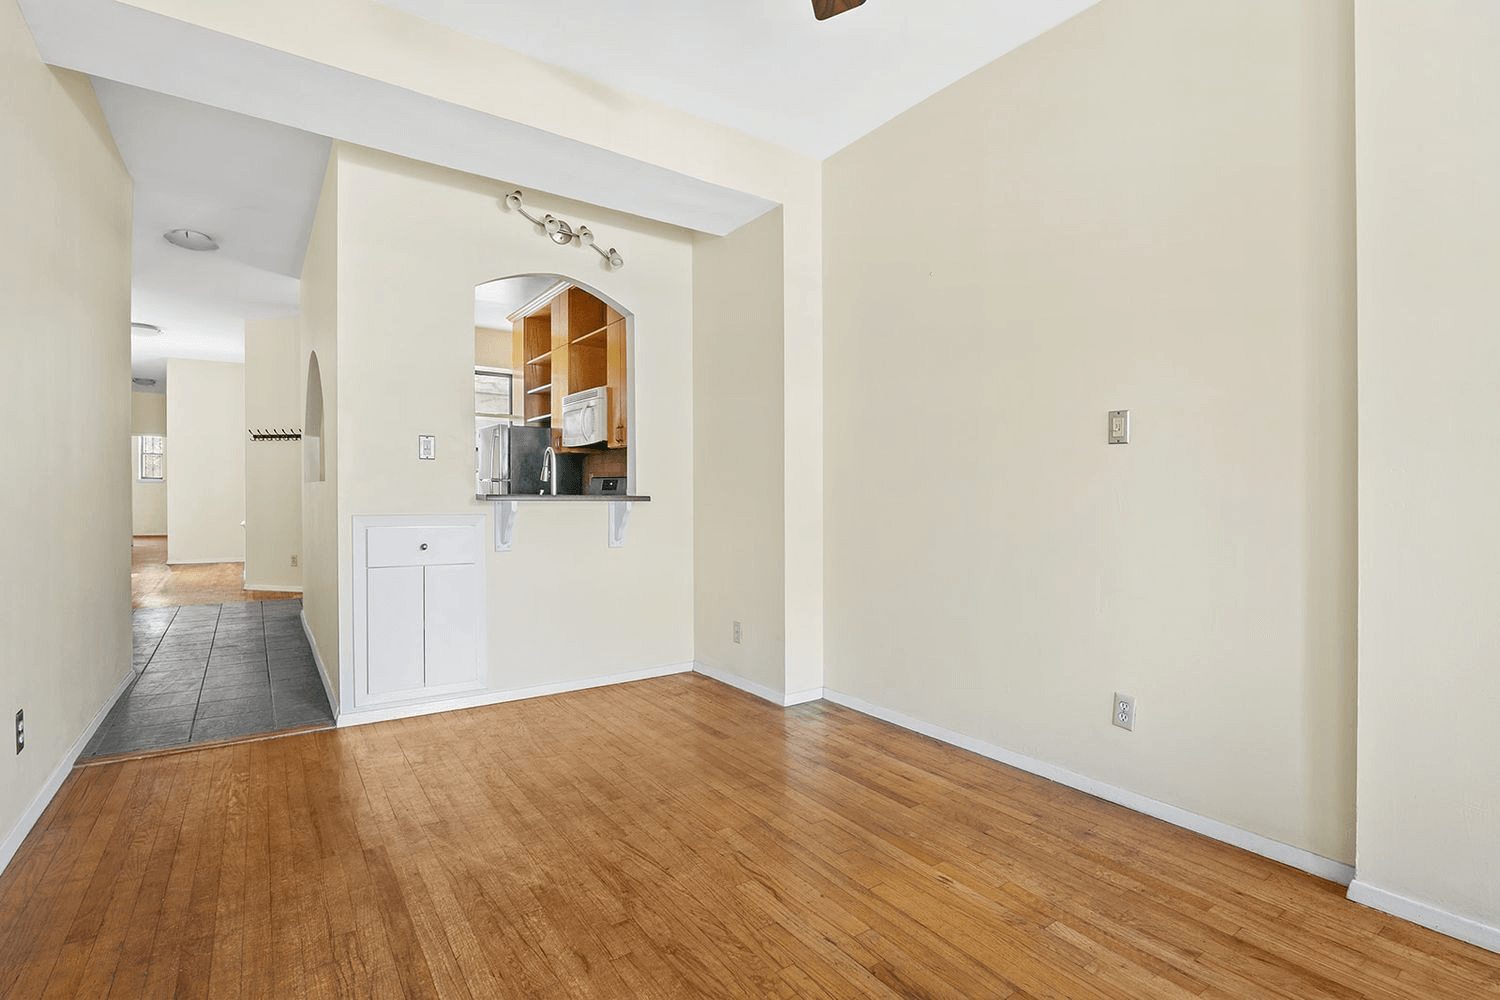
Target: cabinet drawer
(421,546)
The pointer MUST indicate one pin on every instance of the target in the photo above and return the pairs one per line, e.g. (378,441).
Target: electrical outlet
(20,729)
(294,562)
(1124,711)
(739,633)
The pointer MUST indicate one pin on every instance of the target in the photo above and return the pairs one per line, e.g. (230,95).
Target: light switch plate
(1119,426)
(426,447)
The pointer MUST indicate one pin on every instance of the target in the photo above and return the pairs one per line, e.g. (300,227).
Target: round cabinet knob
(424,546)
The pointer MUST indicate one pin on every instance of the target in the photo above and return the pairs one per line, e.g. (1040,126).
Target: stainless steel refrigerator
(508,460)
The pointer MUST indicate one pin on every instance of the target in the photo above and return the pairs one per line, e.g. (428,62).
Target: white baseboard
(254,587)
(736,681)
(481,698)
(759,690)
(802,697)
(333,697)
(43,797)
(206,562)
(1296,857)
(1426,914)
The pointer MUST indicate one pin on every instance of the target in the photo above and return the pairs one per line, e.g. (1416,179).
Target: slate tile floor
(214,672)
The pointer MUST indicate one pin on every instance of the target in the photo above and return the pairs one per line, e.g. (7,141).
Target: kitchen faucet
(549,470)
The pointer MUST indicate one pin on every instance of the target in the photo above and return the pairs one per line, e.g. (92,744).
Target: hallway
(154,584)
(209,673)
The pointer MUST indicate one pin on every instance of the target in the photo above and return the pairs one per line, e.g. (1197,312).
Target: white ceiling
(113,40)
(494,301)
(764,67)
(250,184)
(212,156)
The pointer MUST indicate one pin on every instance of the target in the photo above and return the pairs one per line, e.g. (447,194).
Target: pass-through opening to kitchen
(553,389)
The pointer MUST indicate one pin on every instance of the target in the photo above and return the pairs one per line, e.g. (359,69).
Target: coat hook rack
(275,435)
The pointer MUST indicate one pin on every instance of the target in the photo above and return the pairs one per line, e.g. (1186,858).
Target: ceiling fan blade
(824,9)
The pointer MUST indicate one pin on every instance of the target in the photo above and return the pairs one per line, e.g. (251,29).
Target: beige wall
(1147,208)
(273,469)
(1429,458)
(206,435)
(492,348)
(148,501)
(148,412)
(372,39)
(739,519)
(321,603)
(413,241)
(65,280)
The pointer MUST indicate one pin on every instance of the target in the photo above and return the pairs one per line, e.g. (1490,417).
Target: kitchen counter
(561,497)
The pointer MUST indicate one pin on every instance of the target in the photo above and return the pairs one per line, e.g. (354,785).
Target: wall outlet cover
(739,632)
(1123,711)
(426,447)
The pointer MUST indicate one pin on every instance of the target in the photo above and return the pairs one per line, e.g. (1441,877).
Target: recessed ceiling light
(139,380)
(190,239)
(145,329)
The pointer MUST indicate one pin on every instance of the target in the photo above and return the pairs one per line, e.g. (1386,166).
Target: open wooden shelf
(572,342)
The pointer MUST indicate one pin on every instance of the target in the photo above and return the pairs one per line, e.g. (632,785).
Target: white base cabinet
(418,607)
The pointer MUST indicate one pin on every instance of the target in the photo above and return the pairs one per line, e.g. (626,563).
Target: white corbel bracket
(619,516)
(505,524)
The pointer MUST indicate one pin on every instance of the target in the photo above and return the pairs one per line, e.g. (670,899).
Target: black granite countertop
(561,497)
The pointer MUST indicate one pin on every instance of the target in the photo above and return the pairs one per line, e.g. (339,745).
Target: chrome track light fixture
(560,232)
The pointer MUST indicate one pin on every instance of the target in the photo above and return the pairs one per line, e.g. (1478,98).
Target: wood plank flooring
(668,838)
(154,584)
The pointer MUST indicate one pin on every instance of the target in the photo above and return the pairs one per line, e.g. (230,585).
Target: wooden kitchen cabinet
(531,364)
(617,379)
(572,342)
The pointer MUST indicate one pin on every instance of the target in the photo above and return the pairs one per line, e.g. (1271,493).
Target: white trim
(333,698)
(1435,918)
(759,690)
(386,714)
(802,697)
(736,681)
(43,797)
(271,587)
(547,294)
(205,562)
(1296,857)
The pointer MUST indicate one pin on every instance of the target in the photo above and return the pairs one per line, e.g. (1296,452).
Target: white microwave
(586,417)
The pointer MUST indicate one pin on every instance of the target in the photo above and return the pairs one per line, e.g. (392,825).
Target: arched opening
(312,424)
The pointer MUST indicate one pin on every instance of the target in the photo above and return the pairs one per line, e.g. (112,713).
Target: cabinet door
(619,434)
(393,623)
(453,613)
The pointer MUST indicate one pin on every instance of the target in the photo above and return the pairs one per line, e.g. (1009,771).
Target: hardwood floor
(667,838)
(154,584)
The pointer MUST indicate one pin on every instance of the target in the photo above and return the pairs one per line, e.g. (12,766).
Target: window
(491,396)
(151,458)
